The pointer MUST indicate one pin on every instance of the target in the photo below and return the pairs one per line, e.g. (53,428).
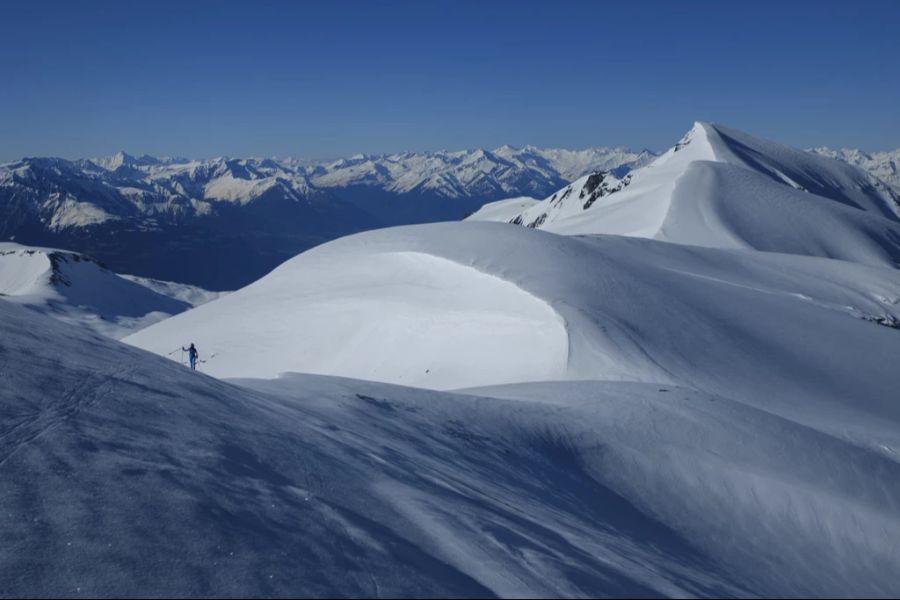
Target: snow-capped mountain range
(224,222)
(471,173)
(884,165)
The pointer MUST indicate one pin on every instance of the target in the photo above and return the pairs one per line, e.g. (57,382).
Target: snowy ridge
(75,288)
(719,187)
(502,210)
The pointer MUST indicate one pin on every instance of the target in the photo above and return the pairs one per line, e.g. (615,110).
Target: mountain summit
(720,187)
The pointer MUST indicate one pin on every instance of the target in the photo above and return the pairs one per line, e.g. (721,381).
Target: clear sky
(324,79)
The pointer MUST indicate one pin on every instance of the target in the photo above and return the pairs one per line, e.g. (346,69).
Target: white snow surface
(70,212)
(502,210)
(723,188)
(74,288)
(191,294)
(125,474)
(468,304)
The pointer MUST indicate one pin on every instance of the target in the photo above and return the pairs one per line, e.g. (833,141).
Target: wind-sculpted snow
(125,474)
(723,188)
(764,215)
(757,327)
(395,315)
(77,289)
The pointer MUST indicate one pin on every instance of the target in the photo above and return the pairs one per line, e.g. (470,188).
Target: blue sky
(319,79)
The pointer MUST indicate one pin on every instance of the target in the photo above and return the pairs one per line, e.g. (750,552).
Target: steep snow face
(720,187)
(158,481)
(461,304)
(883,165)
(76,289)
(835,180)
(502,210)
(635,204)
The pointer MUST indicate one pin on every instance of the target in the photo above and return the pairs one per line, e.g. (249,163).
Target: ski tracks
(85,394)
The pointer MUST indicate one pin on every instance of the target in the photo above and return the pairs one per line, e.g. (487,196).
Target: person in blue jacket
(193,355)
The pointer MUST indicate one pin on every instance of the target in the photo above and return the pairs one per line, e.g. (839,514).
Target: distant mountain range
(222,223)
(884,165)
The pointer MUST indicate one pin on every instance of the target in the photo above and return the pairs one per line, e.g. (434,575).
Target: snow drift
(466,304)
(126,474)
(77,289)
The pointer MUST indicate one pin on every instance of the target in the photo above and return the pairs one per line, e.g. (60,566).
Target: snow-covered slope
(124,474)
(884,165)
(722,188)
(465,304)
(77,289)
(502,210)
(193,295)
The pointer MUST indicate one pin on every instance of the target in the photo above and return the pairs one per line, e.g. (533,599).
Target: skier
(193,355)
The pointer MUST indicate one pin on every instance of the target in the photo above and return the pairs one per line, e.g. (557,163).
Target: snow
(72,213)
(692,392)
(502,210)
(143,215)
(573,164)
(392,305)
(76,289)
(231,189)
(191,294)
(124,473)
(723,188)
(408,304)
